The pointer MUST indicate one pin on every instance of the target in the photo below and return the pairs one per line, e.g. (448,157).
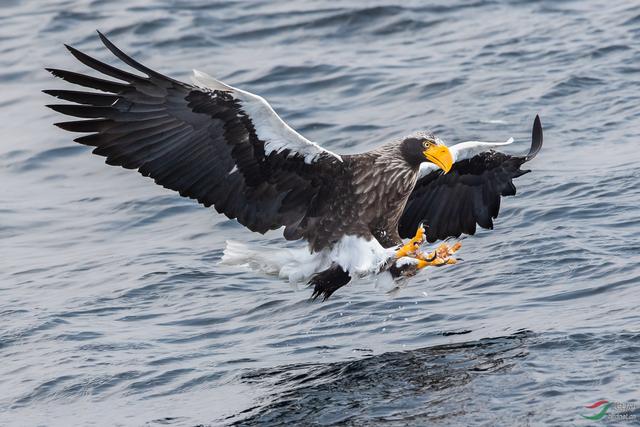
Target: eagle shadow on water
(227,148)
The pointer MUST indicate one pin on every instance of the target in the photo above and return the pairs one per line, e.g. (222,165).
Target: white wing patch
(270,128)
(463,151)
(201,79)
(468,149)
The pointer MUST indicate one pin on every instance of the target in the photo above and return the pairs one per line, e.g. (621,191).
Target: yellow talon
(421,264)
(411,247)
(441,256)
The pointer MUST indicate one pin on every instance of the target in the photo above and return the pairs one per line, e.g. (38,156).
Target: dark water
(113,309)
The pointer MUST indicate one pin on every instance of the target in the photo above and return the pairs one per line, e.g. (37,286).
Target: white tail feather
(358,256)
(293,264)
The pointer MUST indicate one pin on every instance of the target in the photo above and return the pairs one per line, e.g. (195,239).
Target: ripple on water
(113,300)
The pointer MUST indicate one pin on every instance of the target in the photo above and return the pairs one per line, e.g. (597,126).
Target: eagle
(227,148)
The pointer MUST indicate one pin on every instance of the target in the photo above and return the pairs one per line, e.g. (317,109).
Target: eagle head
(421,147)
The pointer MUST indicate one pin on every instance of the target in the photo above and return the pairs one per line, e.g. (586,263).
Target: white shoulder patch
(270,128)
(463,151)
(205,81)
(468,149)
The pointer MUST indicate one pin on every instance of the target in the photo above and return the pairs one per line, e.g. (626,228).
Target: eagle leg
(326,282)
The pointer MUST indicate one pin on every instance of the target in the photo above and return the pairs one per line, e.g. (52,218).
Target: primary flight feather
(227,148)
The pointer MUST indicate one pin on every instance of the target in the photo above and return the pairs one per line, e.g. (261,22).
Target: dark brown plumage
(226,148)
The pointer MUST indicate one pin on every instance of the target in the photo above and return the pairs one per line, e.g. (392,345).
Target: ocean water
(114,310)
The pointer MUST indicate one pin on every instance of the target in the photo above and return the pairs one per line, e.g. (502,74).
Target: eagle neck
(392,156)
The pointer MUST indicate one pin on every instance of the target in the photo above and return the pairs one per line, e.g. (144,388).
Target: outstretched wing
(214,143)
(453,203)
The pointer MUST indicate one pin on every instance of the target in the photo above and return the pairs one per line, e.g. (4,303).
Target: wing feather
(452,204)
(219,145)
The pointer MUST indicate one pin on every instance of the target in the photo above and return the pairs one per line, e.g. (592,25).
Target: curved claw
(422,257)
(441,256)
(411,247)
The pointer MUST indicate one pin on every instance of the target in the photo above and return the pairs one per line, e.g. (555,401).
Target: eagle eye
(426,143)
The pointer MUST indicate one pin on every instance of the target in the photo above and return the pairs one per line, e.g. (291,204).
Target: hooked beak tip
(440,155)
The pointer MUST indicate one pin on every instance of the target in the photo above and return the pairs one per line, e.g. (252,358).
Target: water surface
(114,309)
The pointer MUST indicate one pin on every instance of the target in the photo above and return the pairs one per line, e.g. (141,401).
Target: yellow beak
(440,156)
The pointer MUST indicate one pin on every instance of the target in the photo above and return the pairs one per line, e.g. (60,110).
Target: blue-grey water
(114,310)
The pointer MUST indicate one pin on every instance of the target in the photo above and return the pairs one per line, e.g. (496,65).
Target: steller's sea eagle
(227,148)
